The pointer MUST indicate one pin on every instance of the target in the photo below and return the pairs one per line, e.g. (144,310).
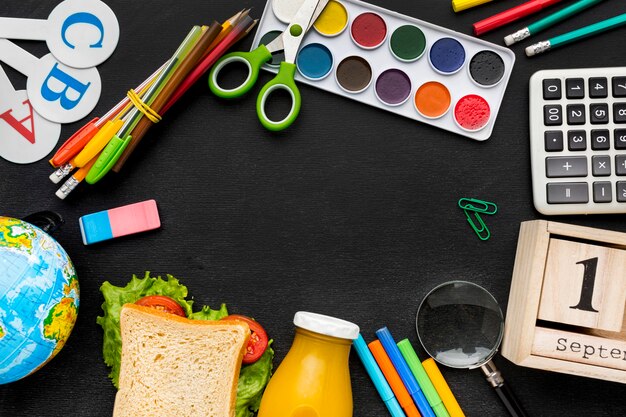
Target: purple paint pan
(393,87)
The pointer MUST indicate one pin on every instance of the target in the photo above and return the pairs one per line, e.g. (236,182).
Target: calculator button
(577,140)
(600,140)
(553,140)
(602,192)
(621,191)
(566,166)
(552,89)
(576,114)
(599,113)
(620,165)
(567,192)
(620,138)
(619,86)
(575,88)
(619,112)
(601,165)
(553,115)
(598,87)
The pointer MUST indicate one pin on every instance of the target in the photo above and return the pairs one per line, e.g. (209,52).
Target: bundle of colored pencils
(105,143)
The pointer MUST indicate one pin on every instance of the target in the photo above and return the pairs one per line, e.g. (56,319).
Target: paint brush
(549,21)
(576,35)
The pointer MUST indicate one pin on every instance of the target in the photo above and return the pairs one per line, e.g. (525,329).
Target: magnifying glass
(461,326)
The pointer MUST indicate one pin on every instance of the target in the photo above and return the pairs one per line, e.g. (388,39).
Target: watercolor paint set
(397,63)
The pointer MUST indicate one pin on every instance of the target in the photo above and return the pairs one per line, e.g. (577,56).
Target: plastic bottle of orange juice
(314,379)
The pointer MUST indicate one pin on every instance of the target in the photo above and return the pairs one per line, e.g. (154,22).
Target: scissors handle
(283,81)
(253,60)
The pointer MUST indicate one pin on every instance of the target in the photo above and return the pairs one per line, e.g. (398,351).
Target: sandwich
(168,360)
(161,351)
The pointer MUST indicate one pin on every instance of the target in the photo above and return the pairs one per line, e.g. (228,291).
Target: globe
(39,298)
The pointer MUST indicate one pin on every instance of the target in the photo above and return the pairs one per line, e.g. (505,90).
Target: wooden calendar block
(584,285)
(558,268)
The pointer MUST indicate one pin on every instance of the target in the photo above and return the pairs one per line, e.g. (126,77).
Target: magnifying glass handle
(505,393)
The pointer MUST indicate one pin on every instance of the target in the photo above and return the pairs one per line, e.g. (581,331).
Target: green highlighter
(422,378)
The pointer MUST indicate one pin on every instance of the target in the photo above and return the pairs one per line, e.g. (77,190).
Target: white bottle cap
(326,325)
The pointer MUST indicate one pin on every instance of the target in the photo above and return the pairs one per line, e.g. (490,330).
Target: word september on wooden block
(120,221)
(567,303)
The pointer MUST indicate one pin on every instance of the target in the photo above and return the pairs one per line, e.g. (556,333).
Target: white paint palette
(397,63)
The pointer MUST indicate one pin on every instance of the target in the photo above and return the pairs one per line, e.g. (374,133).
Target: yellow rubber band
(134,98)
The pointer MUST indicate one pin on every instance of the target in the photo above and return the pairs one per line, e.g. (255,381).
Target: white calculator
(578,140)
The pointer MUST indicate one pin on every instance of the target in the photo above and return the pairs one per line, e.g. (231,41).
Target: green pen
(107,159)
(549,21)
(422,378)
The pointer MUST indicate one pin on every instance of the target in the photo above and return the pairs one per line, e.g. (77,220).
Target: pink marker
(120,221)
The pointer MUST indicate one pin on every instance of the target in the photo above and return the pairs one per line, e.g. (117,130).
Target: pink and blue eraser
(119,221)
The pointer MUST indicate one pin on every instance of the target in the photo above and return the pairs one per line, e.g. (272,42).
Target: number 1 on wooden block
(584,285)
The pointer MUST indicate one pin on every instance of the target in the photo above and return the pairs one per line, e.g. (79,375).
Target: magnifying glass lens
(460,324)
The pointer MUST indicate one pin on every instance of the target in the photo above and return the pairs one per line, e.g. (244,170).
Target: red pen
(511,15)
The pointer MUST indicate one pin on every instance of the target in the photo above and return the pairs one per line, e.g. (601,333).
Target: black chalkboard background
(351,212)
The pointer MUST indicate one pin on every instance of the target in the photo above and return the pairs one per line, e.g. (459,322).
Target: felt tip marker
(377,377)
(460,5)
(453,407)
(386,339)
(398,388)
(120,221)
(422,378)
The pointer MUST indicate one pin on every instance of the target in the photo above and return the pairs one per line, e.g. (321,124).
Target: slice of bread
(176,367)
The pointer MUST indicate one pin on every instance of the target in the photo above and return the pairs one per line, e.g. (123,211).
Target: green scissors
(289,41)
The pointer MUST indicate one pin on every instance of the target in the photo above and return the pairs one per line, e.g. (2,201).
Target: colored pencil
(177,78)
(241,29)
(549,21)
(83,136)
(576,35)
(75,179)
(511,15)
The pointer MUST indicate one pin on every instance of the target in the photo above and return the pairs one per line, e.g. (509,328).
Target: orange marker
(393,379)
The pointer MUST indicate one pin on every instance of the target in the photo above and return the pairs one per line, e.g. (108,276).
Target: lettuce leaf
(252,378)
(116,297)
(208,314)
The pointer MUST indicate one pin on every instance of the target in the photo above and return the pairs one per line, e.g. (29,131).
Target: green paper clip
(479,206)
(481,229)
(107,159)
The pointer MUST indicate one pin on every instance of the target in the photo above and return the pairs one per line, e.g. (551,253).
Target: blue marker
(383,388)
(404,371)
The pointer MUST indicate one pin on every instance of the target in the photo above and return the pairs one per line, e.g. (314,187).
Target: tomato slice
(257,344)
(162,303)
